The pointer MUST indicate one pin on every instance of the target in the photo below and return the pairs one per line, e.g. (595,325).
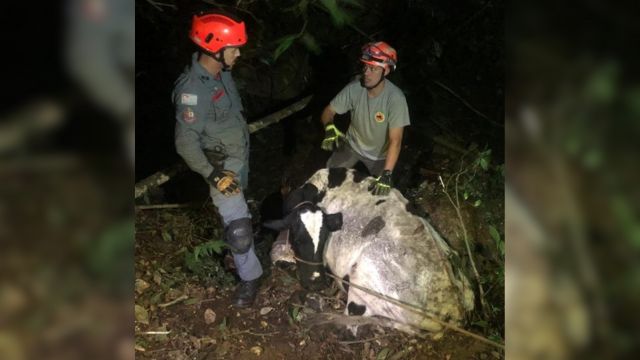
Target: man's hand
(383,184)
(333,138)
(225,181)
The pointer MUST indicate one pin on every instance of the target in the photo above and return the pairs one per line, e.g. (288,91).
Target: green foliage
(110,258)
(310,43)
(495,235)
(295,315)
(626,220)
(283,44)
(223,326)
(339,16)
(354,3)
(477,176)
(208,248)
(204,262)
(383,354)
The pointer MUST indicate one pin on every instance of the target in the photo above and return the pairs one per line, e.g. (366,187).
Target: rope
(411,307)
(308,262)
(420,311)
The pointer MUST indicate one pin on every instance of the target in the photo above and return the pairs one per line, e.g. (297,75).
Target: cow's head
(309,229)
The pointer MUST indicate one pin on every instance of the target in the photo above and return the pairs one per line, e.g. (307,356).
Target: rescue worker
(212,137)
(379,114)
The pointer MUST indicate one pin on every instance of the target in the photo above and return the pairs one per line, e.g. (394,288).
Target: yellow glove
(333,138)
(225,181)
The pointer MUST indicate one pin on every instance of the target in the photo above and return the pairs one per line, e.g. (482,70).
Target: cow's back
(391,251)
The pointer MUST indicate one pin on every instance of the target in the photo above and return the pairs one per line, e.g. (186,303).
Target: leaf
(192,301)
(383,354)
(355,3)
(223,325)
(284,44)
(141,286)
(155,299)
(494,233)
(465,195)
(256,350)
(481,323)
(208,248)
(142,316)
(209,316)
(477,203)
(295,314)
(265,310)
(339,16)
(166,236)
(484,163)
(310,43)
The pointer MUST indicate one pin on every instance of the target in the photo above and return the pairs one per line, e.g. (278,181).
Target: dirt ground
(184,312)
(279,326)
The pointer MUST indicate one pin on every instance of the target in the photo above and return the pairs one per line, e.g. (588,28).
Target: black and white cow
(376,243)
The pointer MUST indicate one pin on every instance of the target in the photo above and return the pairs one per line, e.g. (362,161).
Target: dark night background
(458,44)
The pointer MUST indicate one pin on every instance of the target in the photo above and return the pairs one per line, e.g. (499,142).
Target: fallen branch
(365,340)
(279,115)
(155,333)
(181,298)
(256,334)
(163,176)
(36,120)
(467,103)
(161,206)
(158,178)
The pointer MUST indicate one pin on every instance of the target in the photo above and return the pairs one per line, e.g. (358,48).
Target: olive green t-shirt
(371,118)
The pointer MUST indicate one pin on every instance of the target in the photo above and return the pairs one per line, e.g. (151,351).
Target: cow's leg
(356,306)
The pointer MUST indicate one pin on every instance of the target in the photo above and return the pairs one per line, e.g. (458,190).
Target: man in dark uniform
(212,137)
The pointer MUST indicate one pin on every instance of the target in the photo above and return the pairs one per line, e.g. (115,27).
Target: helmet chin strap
(219,56)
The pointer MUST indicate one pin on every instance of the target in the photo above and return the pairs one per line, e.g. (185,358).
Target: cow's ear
(281,224)
(333,221)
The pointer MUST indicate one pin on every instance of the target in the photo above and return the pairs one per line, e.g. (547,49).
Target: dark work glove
(383,184)
(225,181)
(333,138)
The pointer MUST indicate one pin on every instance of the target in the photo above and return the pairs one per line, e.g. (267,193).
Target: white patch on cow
(315,275)
(313,222)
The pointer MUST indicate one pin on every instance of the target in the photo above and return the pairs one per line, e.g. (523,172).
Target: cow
(376,243)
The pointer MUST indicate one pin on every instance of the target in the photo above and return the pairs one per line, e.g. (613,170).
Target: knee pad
(239,235)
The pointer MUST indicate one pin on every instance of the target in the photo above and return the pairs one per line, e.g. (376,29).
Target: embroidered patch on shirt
(218,95)
(188,116)
(189,99)
(379,117)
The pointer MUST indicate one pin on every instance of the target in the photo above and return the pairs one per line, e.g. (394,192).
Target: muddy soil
(191,313)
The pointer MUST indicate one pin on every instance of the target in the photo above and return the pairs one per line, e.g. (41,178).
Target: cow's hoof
(245,293)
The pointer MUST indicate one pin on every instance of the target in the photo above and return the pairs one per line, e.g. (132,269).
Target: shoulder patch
(188,99)
(188,116)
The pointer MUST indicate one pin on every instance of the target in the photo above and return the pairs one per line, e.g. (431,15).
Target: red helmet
(214,32)
(379,54)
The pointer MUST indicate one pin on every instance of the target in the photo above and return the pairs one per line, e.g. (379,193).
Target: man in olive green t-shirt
(379,114)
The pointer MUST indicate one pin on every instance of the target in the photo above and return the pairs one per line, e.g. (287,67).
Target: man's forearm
(392,155)
(327,116)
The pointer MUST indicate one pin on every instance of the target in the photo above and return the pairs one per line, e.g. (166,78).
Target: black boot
(245,293)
